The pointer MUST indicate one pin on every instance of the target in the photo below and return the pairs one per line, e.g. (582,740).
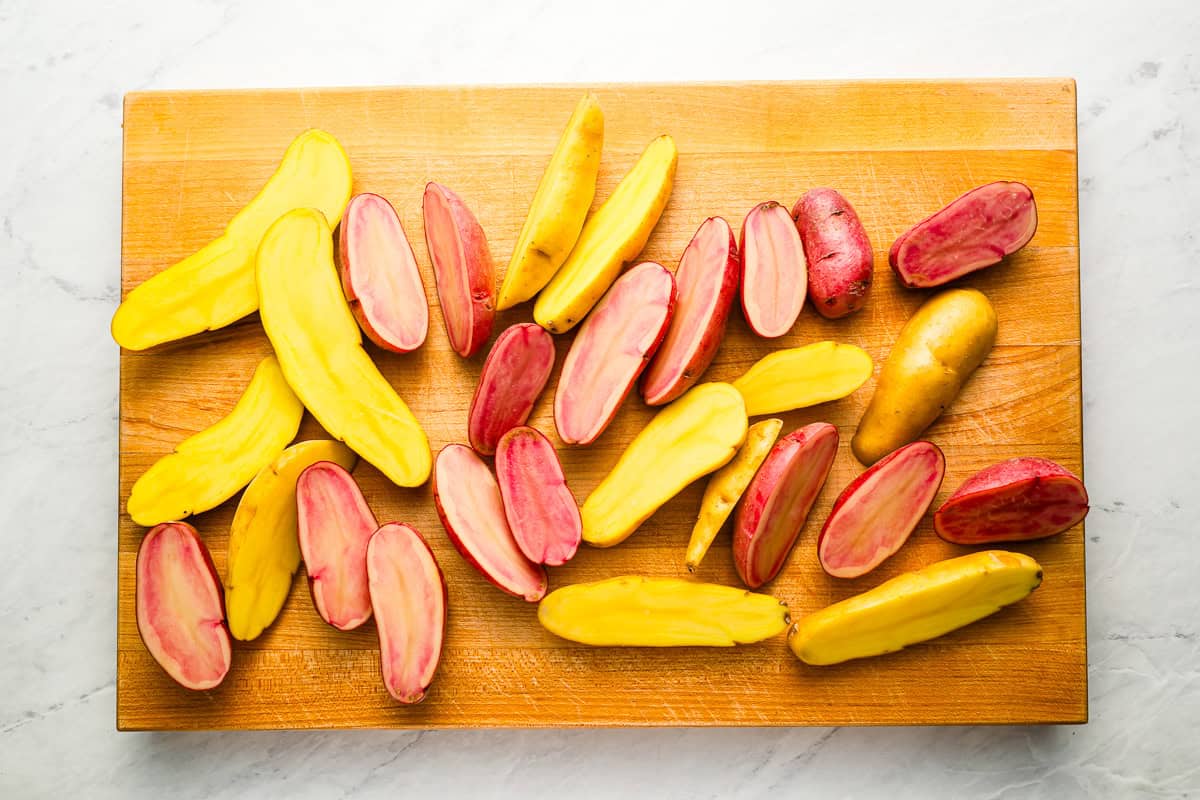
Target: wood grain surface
(897,150)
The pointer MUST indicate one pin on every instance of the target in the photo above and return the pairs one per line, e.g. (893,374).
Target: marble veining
(64,68)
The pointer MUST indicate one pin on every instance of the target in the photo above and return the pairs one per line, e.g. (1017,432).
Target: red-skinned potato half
(334,524)
(408,596)
(514,374)
(776,504)
(974,232)
(541,511)
(838,252)
(774,272)
(181,607)
(462,268)
(879,510)
(706,283)
(380,275)
(1013,501)
(472,512)
(610,351)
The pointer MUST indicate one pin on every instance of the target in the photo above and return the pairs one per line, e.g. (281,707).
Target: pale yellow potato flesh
(634,611)
(264,552)
(208,468)
(799,377)
(610,239)
(915,607)
(559,207)
(320,350)
(726,486)
(691,437)
(215,286)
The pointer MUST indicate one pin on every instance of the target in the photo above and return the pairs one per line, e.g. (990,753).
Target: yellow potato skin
(634,611)
(915,607)
(611,238)
(803,376)
(215,286)
(559,207)
(726,485)
(939,347)
(319,346)
(208,468)
(264,552)
(691,437)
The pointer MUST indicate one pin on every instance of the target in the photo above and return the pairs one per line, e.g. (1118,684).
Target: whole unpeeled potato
(937,350)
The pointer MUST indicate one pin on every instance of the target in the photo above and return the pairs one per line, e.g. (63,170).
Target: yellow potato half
(320,350)
(208,468)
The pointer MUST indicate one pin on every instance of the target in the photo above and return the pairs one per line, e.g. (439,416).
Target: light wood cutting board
(897,150)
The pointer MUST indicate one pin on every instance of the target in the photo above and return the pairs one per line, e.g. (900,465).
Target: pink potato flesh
(334,525)
(181,606)
(879,510)
(776,504)
(975,231)
(706,282)
(472,512)
(538,504)
(774,275)
(462,268)
(1013,501)
(380,275)
(838,252)
(514,374)
(610,351)
(408,596)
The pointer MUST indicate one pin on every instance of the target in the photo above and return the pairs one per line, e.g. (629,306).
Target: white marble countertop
(64,67)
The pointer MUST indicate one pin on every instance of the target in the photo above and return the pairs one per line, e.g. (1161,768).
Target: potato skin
(937,350)
(839,255)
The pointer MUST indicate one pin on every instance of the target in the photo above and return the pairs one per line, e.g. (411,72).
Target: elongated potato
(463,269)
(691,437)
(725,488)
(215,286)
(915,607)
(1013,501)
(979,229)
(660,612)
(564,195)
(320,350)
(937,350)
(208,468)
(264,551)
(838,251)
(611,238)
(800,377)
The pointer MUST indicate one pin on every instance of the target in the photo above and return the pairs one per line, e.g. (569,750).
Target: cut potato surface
(661,612)
(320,350)
(208,468)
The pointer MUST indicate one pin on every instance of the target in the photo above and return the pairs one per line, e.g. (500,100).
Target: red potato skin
(514,374)
(951,243)
(472,295)
(839,255)
(465,552)
(420,307)
(542,514)
(818,440)
(415,698)
(752,316)
(698,322)
(829,529)
(189,531)
(576,381)
(1017,500)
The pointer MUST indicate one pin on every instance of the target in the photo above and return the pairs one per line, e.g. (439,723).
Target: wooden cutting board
(897,150)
